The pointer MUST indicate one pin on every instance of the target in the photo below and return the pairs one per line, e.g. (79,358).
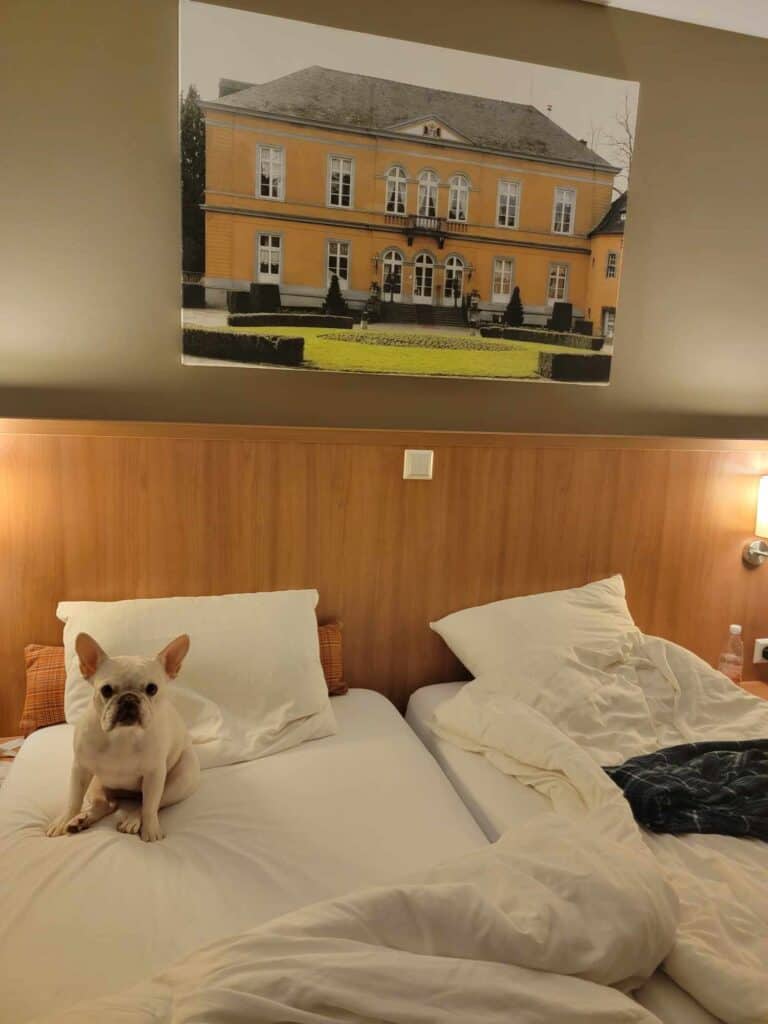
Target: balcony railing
(413,224)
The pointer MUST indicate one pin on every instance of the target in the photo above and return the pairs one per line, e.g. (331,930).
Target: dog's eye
(107,691)
(151,689)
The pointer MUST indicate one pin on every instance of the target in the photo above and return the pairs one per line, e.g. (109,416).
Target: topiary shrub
(335,303)
(514,314)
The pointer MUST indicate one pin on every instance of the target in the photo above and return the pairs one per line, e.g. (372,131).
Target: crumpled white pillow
(252,683)
(533,635)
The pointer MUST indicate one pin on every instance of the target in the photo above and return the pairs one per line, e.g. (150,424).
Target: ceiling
(747,16)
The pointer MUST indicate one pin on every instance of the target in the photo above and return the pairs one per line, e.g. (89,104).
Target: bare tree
(622,140)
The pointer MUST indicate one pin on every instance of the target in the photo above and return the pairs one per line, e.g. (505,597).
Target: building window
(432,131)
(340,181)
(396,190)
(503,278)
(338,262)
(609,322)
(428,182)
(509,203)
(392,275)
(612,264)
(458,198)
(270,253)
(270,172)
(423,277)
(557,288)
(565,207)
(453,288)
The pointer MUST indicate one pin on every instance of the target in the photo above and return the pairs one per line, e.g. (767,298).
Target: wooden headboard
(113,510)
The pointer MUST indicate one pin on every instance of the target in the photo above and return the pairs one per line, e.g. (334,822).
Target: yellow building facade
(416,207)
(606,264)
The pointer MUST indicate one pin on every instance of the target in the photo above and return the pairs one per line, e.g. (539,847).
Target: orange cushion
(331,657)
(46,675)
(44,702)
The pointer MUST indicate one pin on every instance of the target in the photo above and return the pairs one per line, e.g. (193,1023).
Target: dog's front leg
(152,786)
(79,780)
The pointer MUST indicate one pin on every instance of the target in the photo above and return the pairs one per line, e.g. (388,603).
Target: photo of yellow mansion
(424,196)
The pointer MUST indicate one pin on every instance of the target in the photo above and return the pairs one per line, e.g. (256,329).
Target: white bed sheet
(499,802)
(86,915)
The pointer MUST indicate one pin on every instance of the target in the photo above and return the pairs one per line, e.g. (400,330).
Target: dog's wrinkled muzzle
(128,711)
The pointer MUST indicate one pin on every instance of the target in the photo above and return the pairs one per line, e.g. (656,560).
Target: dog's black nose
(128,709)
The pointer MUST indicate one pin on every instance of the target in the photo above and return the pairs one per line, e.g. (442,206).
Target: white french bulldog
(131,742)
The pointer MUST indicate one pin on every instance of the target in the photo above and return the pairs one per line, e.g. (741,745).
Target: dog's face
(127,689)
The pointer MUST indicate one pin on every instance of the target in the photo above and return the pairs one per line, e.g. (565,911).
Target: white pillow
(252,683)
(535,634)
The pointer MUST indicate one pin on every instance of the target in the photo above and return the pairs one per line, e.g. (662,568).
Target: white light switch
(417,464)
(761,652)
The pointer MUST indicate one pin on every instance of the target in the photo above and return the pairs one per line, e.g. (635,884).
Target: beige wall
(89,249)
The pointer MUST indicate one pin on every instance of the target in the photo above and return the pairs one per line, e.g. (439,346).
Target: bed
(498,802)
(83,917)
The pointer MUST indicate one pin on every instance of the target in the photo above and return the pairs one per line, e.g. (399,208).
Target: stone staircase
(426,316)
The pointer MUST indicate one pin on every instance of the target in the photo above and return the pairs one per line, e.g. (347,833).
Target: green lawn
(356,351)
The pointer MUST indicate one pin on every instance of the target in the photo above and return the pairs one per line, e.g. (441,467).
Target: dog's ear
(172,656)
(89,653)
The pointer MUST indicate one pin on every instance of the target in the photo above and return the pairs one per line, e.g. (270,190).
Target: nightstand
(756,688)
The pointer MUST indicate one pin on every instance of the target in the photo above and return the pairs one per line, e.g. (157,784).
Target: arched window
(453,288)
(396,190)
(423,277)
(428,182)
(458,197)
(392,275)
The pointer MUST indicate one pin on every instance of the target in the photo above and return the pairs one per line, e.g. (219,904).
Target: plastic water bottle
(731,662)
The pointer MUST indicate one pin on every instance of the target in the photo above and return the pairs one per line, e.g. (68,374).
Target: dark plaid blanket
(719,787)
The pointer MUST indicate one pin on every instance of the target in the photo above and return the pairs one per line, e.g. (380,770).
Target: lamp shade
(761,520)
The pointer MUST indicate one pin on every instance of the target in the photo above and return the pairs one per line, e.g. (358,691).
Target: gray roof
(322,96)
(614,220)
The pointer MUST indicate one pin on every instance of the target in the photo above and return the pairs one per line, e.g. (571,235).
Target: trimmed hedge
(264,298)
(238,302)
(541,336)
(243,348)
(193,296)
(571,367)
(290,320)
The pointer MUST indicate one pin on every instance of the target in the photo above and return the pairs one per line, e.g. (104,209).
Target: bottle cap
(735,630)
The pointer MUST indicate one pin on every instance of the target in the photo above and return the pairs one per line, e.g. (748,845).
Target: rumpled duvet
(602,707)
(553,923)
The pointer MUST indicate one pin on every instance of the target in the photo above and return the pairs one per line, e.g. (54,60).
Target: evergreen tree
(192,126)
(334,300)
(514,313)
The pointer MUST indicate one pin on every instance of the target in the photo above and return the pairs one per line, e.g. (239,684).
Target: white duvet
(551,923)
(598,708)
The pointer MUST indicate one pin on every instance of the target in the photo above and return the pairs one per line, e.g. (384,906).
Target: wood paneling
(112,510)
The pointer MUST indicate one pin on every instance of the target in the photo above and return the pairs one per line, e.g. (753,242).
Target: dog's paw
(78,823)
(150,831)
(130,823)
(59,827)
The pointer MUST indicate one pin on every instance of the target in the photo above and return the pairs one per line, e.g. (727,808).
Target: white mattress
(89,914)
(498,802)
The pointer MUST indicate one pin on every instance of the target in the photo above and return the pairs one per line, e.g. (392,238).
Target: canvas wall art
(358,204)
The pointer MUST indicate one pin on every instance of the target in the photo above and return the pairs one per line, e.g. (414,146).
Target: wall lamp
(756,552)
